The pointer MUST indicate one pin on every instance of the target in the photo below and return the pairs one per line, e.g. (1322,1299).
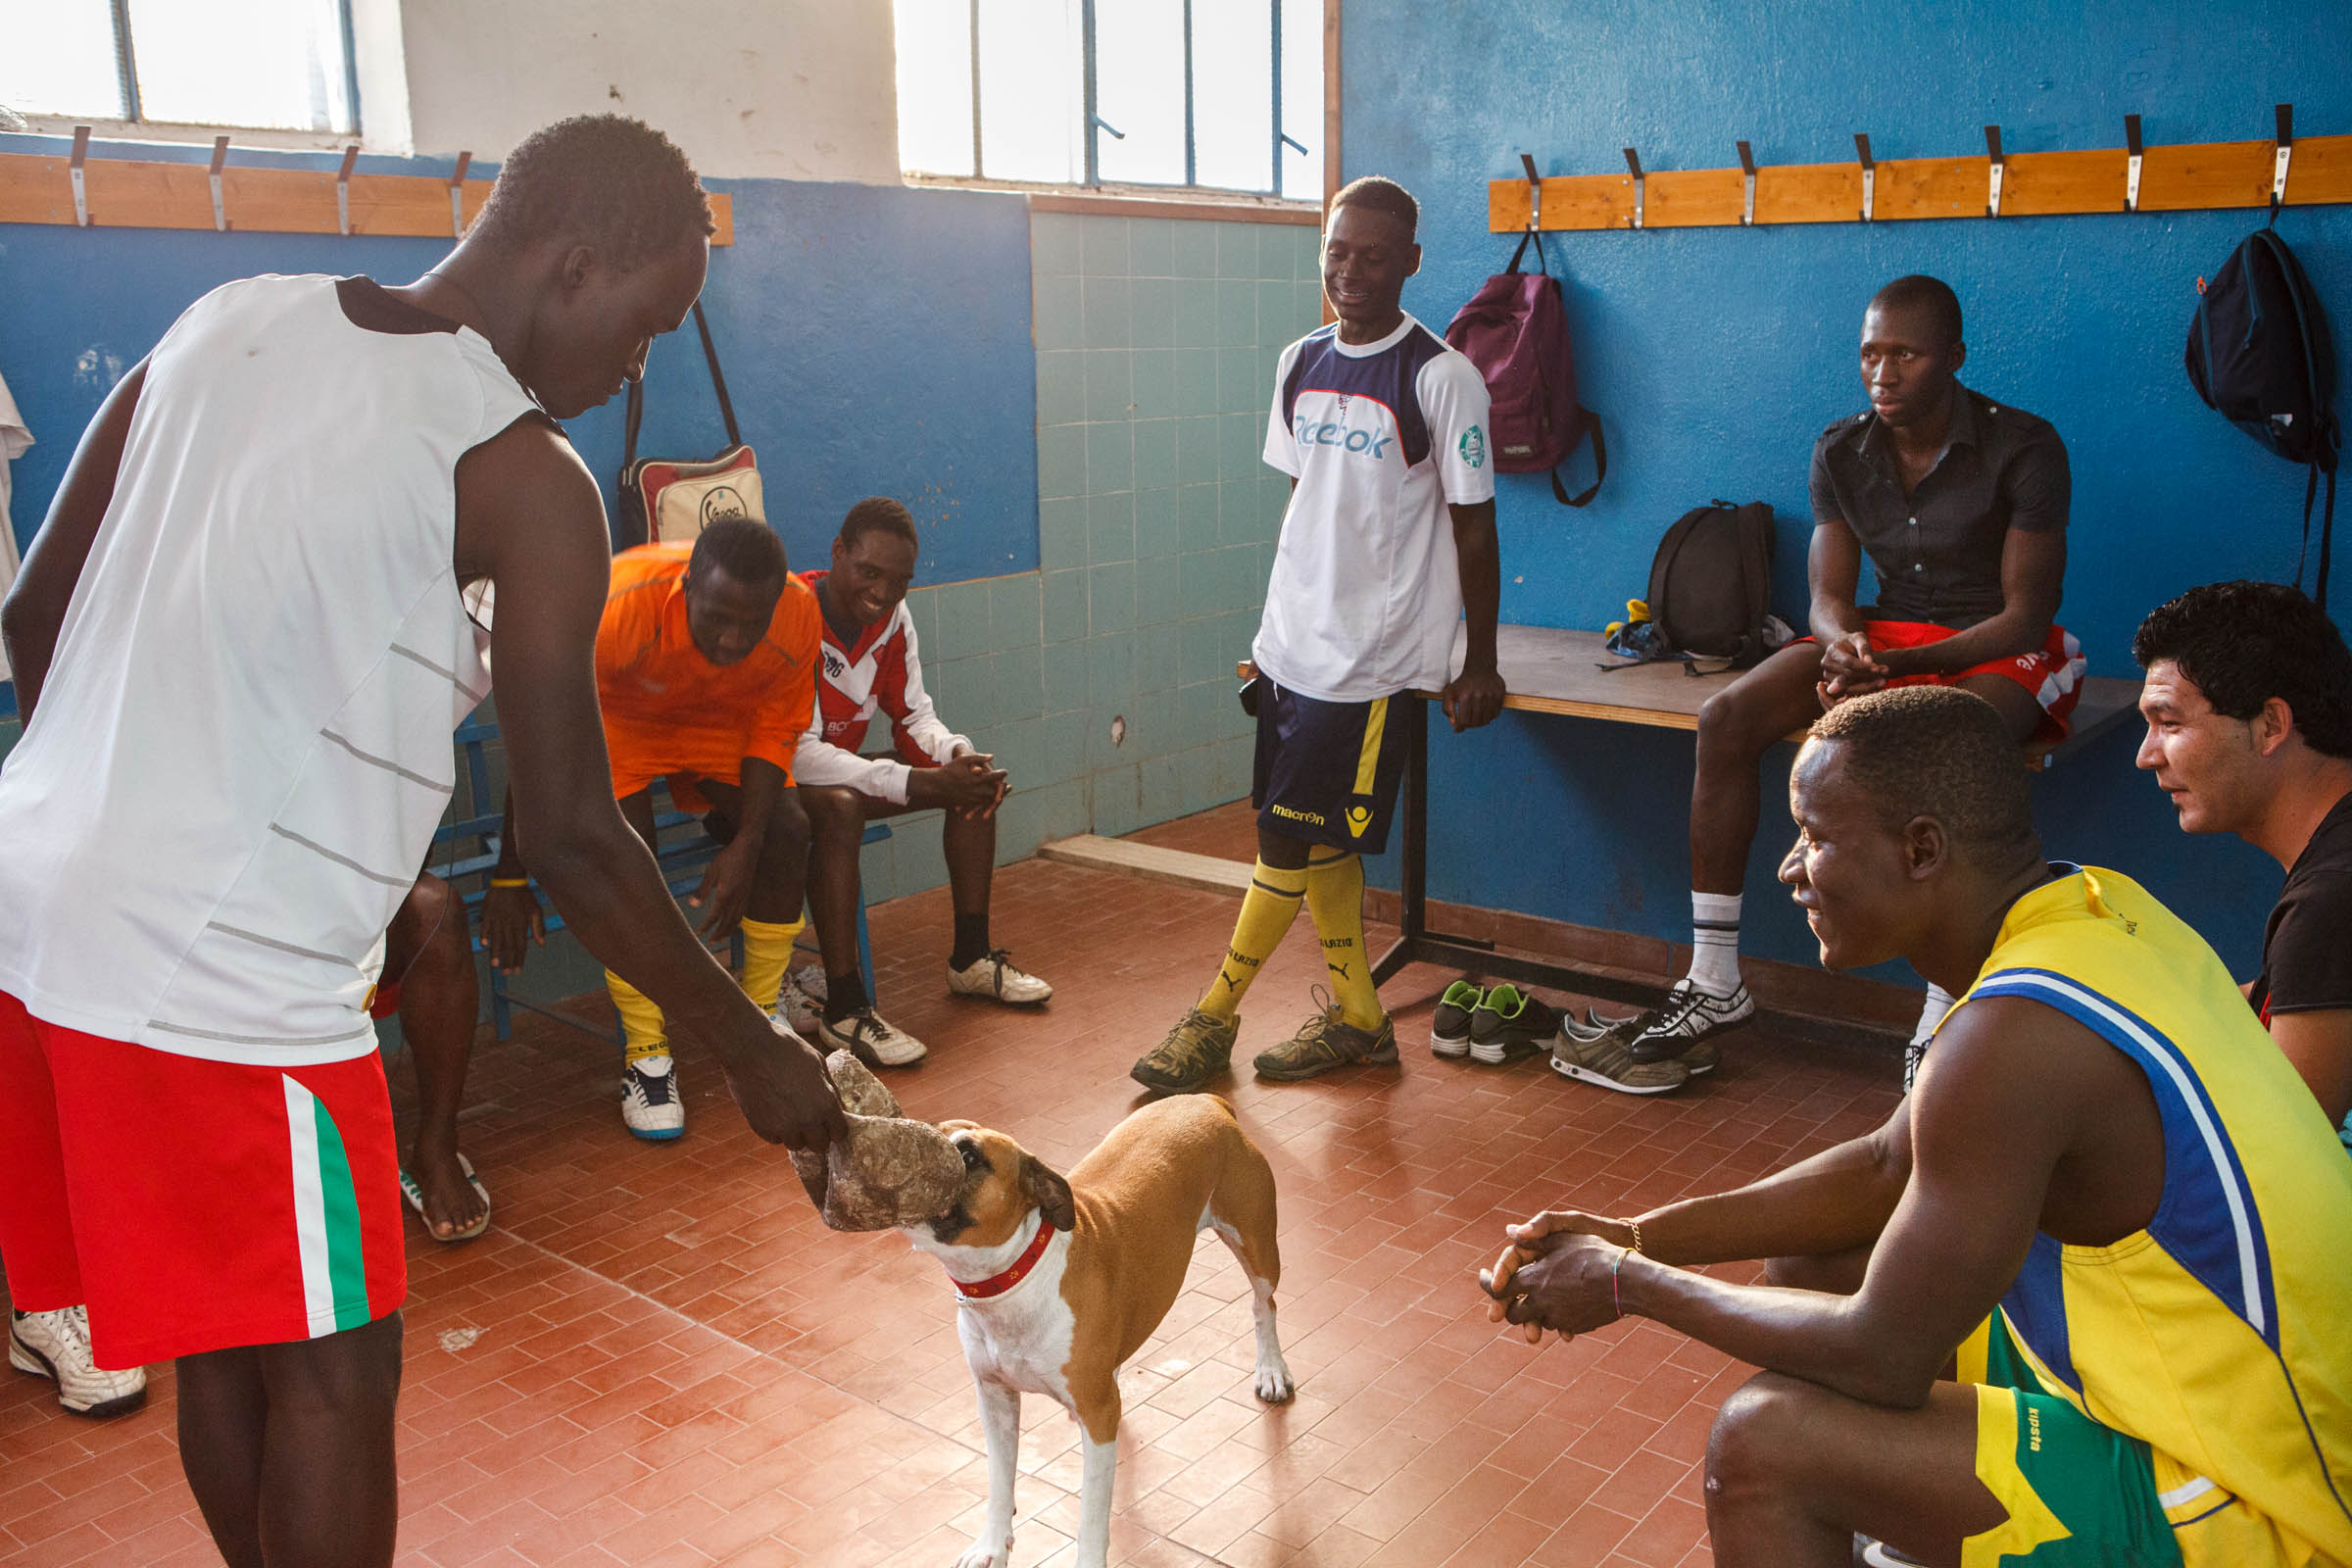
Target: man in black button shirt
(2249,709)
(1961,505)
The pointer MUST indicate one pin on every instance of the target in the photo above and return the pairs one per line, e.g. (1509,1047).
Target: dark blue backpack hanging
(2259,353)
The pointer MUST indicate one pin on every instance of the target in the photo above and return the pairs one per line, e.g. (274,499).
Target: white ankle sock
(1715,942)
(1938,1002)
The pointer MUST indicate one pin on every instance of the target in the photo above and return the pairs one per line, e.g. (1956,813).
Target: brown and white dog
(1060,1281)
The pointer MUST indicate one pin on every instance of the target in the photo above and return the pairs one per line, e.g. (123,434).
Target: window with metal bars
(1222,95)
(272,64)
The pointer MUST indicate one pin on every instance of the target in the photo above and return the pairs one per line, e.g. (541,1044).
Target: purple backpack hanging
(1515,330)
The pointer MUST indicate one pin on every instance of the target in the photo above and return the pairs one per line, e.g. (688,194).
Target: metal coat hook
(212,176)
(1535,193)
(1992,193)
(1634,164)
(2133,154)
(1870,174)
(2286,155)
(351,155)
(82,194)
(1748,170)
(457,197)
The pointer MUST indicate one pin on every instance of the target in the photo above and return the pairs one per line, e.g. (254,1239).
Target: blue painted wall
(1716,356)
(876,341)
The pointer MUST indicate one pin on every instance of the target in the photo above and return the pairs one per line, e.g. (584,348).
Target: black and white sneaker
(650,1106)
(871,1039)
(1698,1058)
(1688,1016)
(995,979)
(56,1344)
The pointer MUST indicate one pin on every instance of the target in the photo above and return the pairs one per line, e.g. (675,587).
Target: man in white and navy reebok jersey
(1389,534)
(867,665)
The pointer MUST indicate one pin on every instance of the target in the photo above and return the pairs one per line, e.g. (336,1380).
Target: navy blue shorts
(1327,772)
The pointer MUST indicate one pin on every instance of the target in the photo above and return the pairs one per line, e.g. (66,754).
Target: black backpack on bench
(1710,587)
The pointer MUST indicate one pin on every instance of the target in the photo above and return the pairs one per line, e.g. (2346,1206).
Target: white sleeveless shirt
(242,747)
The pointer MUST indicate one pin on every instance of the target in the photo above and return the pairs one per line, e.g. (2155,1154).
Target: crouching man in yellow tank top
(2108,1195)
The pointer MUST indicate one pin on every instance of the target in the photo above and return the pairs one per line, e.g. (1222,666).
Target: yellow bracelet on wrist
(510,881)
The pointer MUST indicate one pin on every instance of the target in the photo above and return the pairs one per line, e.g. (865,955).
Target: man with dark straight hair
(240,642)
(2249,708)
(2108,1199)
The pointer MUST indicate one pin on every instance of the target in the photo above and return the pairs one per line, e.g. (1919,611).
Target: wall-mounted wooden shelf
(135,193)
(2175,178)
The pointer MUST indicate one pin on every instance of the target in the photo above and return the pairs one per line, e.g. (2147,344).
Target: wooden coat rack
(2134,178)
(139,193)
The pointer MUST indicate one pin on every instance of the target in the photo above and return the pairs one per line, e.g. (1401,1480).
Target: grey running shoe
(1700,1059)
(1874,1554)
(1449,1025)
(1196,1050)
(1509,1025)
(1327,1041)
(1606,1059)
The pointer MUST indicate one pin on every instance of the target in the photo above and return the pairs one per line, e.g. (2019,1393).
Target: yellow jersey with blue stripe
(2222,1333)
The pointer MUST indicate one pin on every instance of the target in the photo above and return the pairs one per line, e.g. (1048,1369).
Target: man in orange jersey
(705,670)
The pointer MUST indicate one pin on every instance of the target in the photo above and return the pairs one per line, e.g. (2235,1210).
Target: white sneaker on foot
(1687,1016)
(871,1039)
(56,1346)
(795,1013)
(650,1106)
(809,980)
(995,978)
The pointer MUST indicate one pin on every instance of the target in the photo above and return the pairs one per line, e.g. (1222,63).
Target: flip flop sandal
(416,1196)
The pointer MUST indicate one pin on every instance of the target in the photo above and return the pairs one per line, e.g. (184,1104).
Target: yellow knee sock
(1267,910)
(766,951)
(1335,897)
(641,1023)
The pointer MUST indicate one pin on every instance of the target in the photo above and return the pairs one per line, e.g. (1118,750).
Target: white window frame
(365,89)
(1092,126)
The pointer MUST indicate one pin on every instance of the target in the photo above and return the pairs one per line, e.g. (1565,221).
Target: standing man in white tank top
(239,645)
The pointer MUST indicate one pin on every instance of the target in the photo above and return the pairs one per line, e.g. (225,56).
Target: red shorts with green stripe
(195,1205)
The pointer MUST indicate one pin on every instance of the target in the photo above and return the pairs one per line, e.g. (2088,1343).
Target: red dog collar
(998,1284)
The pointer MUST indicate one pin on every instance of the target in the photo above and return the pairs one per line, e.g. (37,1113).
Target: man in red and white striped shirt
(867,664)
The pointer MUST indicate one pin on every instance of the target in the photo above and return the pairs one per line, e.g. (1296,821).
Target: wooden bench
(1546,669)
(472,840)
(1551,670)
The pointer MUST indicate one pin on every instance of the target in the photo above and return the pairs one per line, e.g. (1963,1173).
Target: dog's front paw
(1274,1385)
(983,1555)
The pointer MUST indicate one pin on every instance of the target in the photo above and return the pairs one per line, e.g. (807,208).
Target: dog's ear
(1050,1192)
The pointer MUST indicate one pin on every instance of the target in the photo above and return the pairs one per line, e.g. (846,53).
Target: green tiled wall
(1155,347)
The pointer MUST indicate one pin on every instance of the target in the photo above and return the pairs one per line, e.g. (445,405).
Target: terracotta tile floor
(658,1356)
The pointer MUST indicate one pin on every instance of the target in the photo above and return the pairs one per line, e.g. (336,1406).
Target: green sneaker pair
(1492,1024)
